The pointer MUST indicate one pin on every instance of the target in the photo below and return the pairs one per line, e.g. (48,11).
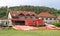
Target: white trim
(9,16)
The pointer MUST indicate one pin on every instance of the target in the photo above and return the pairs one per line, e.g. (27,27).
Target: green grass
(12,32)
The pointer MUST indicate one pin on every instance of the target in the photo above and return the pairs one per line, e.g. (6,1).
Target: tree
(57,24)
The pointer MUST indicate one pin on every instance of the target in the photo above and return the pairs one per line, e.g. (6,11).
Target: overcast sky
(48,3)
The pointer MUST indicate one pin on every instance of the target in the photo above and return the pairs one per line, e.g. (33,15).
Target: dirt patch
(21,27)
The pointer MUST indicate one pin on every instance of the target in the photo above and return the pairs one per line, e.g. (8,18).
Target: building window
(46,18)
(54,18)
(21,15)
(28,16)
(50,18)
(33,18)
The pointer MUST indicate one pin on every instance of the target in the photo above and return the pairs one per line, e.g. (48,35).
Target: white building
(47,17)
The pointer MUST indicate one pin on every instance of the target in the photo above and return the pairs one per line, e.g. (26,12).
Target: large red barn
(25,18)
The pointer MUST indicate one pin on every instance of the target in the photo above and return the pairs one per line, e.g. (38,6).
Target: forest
(37,9)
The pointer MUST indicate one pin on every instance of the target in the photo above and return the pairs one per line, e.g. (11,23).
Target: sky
(47,3)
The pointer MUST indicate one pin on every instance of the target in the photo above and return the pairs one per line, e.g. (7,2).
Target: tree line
(37,9)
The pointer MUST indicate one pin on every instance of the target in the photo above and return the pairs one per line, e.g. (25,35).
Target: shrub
(57,24)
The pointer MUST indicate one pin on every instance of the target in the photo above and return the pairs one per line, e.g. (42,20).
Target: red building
(25,18)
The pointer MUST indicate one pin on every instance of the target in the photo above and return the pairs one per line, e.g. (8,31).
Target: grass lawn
(11,32)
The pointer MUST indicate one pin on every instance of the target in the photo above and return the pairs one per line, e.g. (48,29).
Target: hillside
(37,9)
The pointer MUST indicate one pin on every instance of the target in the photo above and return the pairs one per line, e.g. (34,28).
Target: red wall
(36,22)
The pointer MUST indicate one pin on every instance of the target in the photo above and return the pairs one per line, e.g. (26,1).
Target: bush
(57,24)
